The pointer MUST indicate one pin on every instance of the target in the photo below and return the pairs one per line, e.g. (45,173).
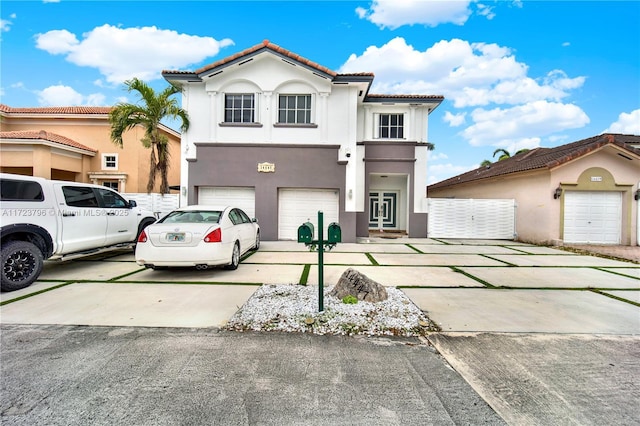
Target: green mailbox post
(334,236)
(334,233)
(305,233)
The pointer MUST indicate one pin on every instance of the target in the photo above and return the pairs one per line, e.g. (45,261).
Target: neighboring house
(73,143)
(284,137)
(582,192)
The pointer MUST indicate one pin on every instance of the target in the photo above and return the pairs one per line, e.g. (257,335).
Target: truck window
(111,200)
(79,196)
(20,190)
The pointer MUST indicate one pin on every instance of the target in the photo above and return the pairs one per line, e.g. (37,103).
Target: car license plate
(175,236)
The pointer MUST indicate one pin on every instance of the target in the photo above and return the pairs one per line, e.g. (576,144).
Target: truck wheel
(22,263)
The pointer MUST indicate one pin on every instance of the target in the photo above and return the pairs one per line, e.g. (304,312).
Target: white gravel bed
(294,308)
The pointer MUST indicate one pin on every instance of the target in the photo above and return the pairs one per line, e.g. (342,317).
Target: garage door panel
(592,217)
(296,206)
(241,197)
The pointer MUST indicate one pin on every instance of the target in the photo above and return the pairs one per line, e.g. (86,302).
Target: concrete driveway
(541,334)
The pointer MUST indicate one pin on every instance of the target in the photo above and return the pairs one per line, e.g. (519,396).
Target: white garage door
(296,206)
(592,217)
(244,198)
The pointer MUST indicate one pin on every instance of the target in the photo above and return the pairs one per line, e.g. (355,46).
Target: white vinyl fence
(159,204)
(491,219)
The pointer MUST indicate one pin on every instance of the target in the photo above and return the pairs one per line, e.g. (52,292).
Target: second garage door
(244,198)
(592,217)
(296,206)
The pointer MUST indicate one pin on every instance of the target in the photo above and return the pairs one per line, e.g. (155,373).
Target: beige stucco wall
(133,158)
(538,215)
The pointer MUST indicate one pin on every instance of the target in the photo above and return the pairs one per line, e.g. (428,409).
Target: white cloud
(486,11)
(57,42)
(67,96)
(437,156)
(468,74)
(513,110)
(628,124)
(431,13)
(123,53)
(454,120)
(523,125)
(5,24)
(439,172)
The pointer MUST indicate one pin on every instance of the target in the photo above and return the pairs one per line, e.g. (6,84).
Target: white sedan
(198,236)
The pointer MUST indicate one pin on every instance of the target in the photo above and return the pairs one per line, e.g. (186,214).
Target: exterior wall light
(557,193)
(637,196)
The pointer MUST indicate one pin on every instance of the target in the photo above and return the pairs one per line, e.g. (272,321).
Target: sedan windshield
(192,216)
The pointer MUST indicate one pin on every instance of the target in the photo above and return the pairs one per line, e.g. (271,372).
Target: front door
(383,210)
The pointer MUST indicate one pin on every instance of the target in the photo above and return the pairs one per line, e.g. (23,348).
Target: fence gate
(489,219)
(159,204)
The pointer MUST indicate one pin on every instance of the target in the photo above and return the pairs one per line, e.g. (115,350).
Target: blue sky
(514,74)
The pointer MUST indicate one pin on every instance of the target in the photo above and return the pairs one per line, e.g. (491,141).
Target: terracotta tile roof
(266,44)
(56,110)
(400,96)
(70,110)
(543,158)
(44,135)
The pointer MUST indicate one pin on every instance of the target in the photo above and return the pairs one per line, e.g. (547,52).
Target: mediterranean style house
(284,137)
(585,192)
(73,143)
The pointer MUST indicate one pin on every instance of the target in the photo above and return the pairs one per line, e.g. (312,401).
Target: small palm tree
(504,154)
(153,109)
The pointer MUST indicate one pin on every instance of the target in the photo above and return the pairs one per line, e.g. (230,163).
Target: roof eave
(46,142)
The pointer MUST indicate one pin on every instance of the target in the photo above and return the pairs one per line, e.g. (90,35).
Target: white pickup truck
(46,219)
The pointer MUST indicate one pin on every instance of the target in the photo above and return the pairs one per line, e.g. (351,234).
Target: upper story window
(391,126)
(239,108)
(294,109)
(109,161)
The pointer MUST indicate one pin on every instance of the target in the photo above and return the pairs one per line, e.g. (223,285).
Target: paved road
(67,375)
(544,336)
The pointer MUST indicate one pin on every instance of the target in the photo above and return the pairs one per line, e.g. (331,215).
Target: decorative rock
(360,286)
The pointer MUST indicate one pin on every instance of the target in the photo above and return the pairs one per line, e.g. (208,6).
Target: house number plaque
(266,168)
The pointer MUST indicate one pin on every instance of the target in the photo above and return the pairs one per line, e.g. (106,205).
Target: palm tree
(153,109)
(505,154)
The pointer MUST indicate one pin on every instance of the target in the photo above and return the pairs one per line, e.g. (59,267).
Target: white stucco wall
(338,115)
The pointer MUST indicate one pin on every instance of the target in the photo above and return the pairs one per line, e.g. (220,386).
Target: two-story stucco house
(284,137)
(73,143)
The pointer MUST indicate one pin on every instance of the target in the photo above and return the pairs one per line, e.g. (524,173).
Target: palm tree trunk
(163,167)
(153,165)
